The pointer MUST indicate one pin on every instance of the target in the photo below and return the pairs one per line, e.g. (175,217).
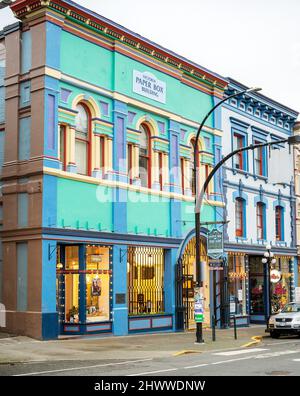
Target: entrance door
(188,263)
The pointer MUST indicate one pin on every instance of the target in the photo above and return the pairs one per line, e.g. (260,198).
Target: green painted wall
(148,214)
(113,71)
(86,61)
(83,205)
(208,213)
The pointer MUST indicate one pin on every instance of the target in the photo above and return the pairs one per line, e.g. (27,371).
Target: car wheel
(274,334)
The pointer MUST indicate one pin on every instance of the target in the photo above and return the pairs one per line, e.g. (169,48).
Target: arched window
(192,168)
(145,157)
(82,140)
(239,217)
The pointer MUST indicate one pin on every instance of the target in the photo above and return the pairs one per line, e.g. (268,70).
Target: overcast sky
(256,42)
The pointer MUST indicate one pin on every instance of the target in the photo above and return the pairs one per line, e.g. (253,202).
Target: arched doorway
(186,280)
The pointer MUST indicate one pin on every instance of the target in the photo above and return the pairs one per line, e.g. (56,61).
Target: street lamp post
(199,282)
(292,140)
(268,260)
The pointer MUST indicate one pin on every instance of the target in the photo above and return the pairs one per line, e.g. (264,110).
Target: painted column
(120,167)
(166,180)
(169,282)
(120,307)
(175,205)
(96,156)
(108,154)
(155,171)
(50,324)
(71,166)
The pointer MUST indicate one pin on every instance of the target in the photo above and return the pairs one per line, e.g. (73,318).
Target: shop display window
(97,284)
(83,283)
(256,281)
(145,271)
(281,290)
(71,284)
(237,285)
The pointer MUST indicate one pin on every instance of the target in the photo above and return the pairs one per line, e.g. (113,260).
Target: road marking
(275,354)
(82,367)
(232,360)
(240,351)
(296,360)
(152,372)
(198,365)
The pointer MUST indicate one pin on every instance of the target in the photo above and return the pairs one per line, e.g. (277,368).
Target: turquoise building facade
(98,174)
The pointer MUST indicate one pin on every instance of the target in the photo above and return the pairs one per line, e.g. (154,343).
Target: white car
(286,322)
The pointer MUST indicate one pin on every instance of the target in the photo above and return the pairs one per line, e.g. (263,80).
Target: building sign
(275,276)
(215,264)
(146,84)
(198,305)
(215,244)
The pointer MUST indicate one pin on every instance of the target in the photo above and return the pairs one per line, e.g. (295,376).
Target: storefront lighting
(59,266)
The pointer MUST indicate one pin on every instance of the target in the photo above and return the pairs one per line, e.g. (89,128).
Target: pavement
(92,348)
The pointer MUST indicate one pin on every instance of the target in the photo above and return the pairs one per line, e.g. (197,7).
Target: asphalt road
(268,358)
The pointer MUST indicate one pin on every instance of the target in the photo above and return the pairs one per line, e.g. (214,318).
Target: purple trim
(51,122)
(120,138)
(65,94)
(104,108)
(161,127)
(131,116)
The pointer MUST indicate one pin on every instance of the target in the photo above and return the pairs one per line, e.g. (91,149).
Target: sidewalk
(24,349)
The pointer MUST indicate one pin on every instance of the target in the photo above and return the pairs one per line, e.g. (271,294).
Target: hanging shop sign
(198,305)
(146,84)
(215,248)
(275,276)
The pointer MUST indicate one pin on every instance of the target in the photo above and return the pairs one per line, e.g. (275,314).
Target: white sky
(256,42)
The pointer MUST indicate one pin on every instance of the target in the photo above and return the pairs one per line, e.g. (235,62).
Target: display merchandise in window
(97,284)
(237,285)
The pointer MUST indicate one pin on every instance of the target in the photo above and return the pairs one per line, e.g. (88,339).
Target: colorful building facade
(260,204)
(96,133)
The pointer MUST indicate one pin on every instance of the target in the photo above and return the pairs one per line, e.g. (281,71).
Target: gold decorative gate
(189,280)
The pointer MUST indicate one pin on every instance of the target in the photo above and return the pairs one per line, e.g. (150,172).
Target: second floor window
(259,160)
(239,217)
(260,221)
(238,159)
(82,140)
(279,223)
(145,157)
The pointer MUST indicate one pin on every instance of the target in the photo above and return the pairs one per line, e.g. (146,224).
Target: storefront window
(71,284)
(145,271)
(237,285)
(281,289)
(78,274)
(256,280)
(97,284)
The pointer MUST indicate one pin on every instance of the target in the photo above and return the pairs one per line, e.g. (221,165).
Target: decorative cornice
(82,16)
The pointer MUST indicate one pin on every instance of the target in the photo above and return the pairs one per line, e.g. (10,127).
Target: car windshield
(291,308)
